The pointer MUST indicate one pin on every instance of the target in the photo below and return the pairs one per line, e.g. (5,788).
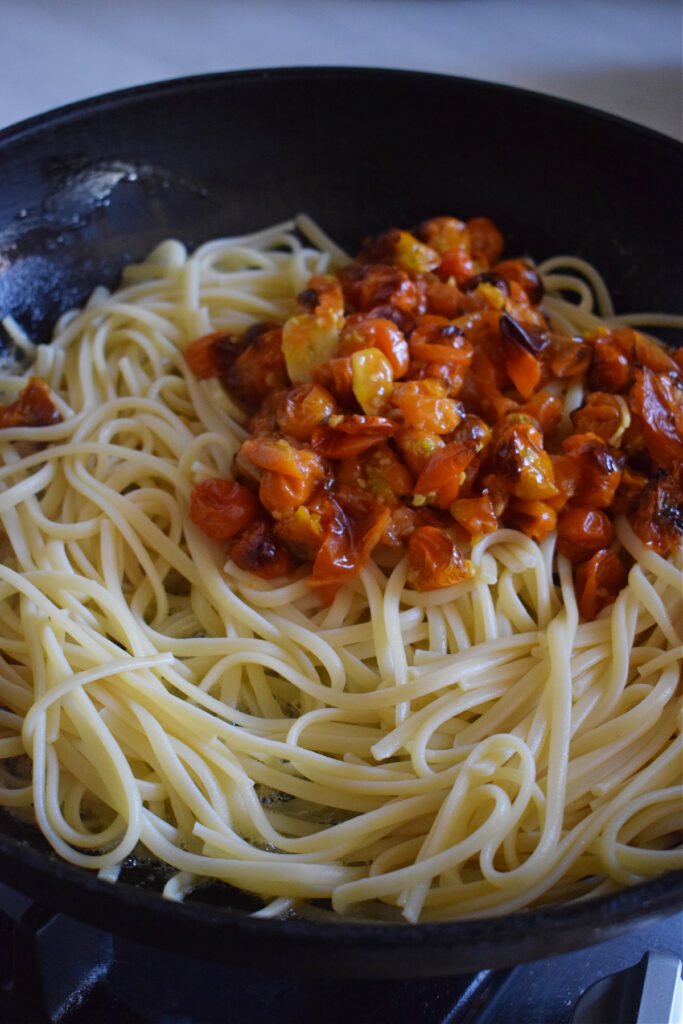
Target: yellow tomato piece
(413,255)
(373,380)
(309,339)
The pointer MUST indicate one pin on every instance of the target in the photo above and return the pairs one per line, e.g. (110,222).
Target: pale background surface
(623,56)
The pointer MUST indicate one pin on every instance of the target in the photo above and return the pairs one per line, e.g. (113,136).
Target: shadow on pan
(87,188)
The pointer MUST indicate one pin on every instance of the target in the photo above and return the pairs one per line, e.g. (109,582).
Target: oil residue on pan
(46,250)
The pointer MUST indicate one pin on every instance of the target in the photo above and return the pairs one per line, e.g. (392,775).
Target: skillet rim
(451,946)
(52,117)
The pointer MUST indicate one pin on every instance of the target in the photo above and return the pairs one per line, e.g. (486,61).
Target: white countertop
(622,56)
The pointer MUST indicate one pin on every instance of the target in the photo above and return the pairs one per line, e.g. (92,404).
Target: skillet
(89,187)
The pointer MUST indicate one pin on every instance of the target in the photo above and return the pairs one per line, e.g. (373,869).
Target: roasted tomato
(259,551)
(425,405)
(419,399)
(658,516)
(598,582)
(259,367)
(656,400)
(367,285)
(583,531)
(300,410)
(523,368)
(401,249)
(519,457)
(417,447)
(522,273)
(443,475)
(598,470)
(33,408)
(477,515)
(288,476)
(345,436)
(213,355)
(352,525)
(602,414)
(434,560)
(363,331)
(486,241)
(222,508)
(533,517)
(445,234)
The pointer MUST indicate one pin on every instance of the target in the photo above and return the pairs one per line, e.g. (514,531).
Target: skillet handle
(650,992)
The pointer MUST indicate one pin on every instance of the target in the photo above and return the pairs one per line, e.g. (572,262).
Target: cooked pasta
(426,754)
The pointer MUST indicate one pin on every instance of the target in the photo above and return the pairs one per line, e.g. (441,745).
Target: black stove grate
(56,970)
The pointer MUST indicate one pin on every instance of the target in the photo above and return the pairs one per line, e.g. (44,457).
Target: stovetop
(56,970)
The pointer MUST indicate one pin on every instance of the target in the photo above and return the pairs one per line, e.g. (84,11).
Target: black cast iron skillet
(86,188)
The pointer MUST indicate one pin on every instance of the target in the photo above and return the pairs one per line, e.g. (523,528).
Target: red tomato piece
(444,299)
(434,560)
(599,470)
(222,508)
(583,531)
(629,492)
(566,358)
(600,414)
(322,295)
(441,479)
(278,492)
(275,454)
(567,471)
(486,241)
(425,406)
(352,524)
(529,515)
(259,368)
(345,436)
(519,456)
(481,391)
(258,550)
(33,408)
(438,340)
(367,285)
(522,273)
(545,409)
(477,514)
(301,409)
(612,360)
(288,475)
(300,529)
(380,472)
(212,353)
(598,582)
(417,447)
(336,376)
(524,370)
(657,402)
(457,265)
(658,517)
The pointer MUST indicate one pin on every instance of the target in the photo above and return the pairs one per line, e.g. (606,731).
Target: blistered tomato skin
(33,408)
(379,333)
(598,581)
(258,550)
(434,560)
(415,401)
(583,531)
(222,508)
(301,409)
